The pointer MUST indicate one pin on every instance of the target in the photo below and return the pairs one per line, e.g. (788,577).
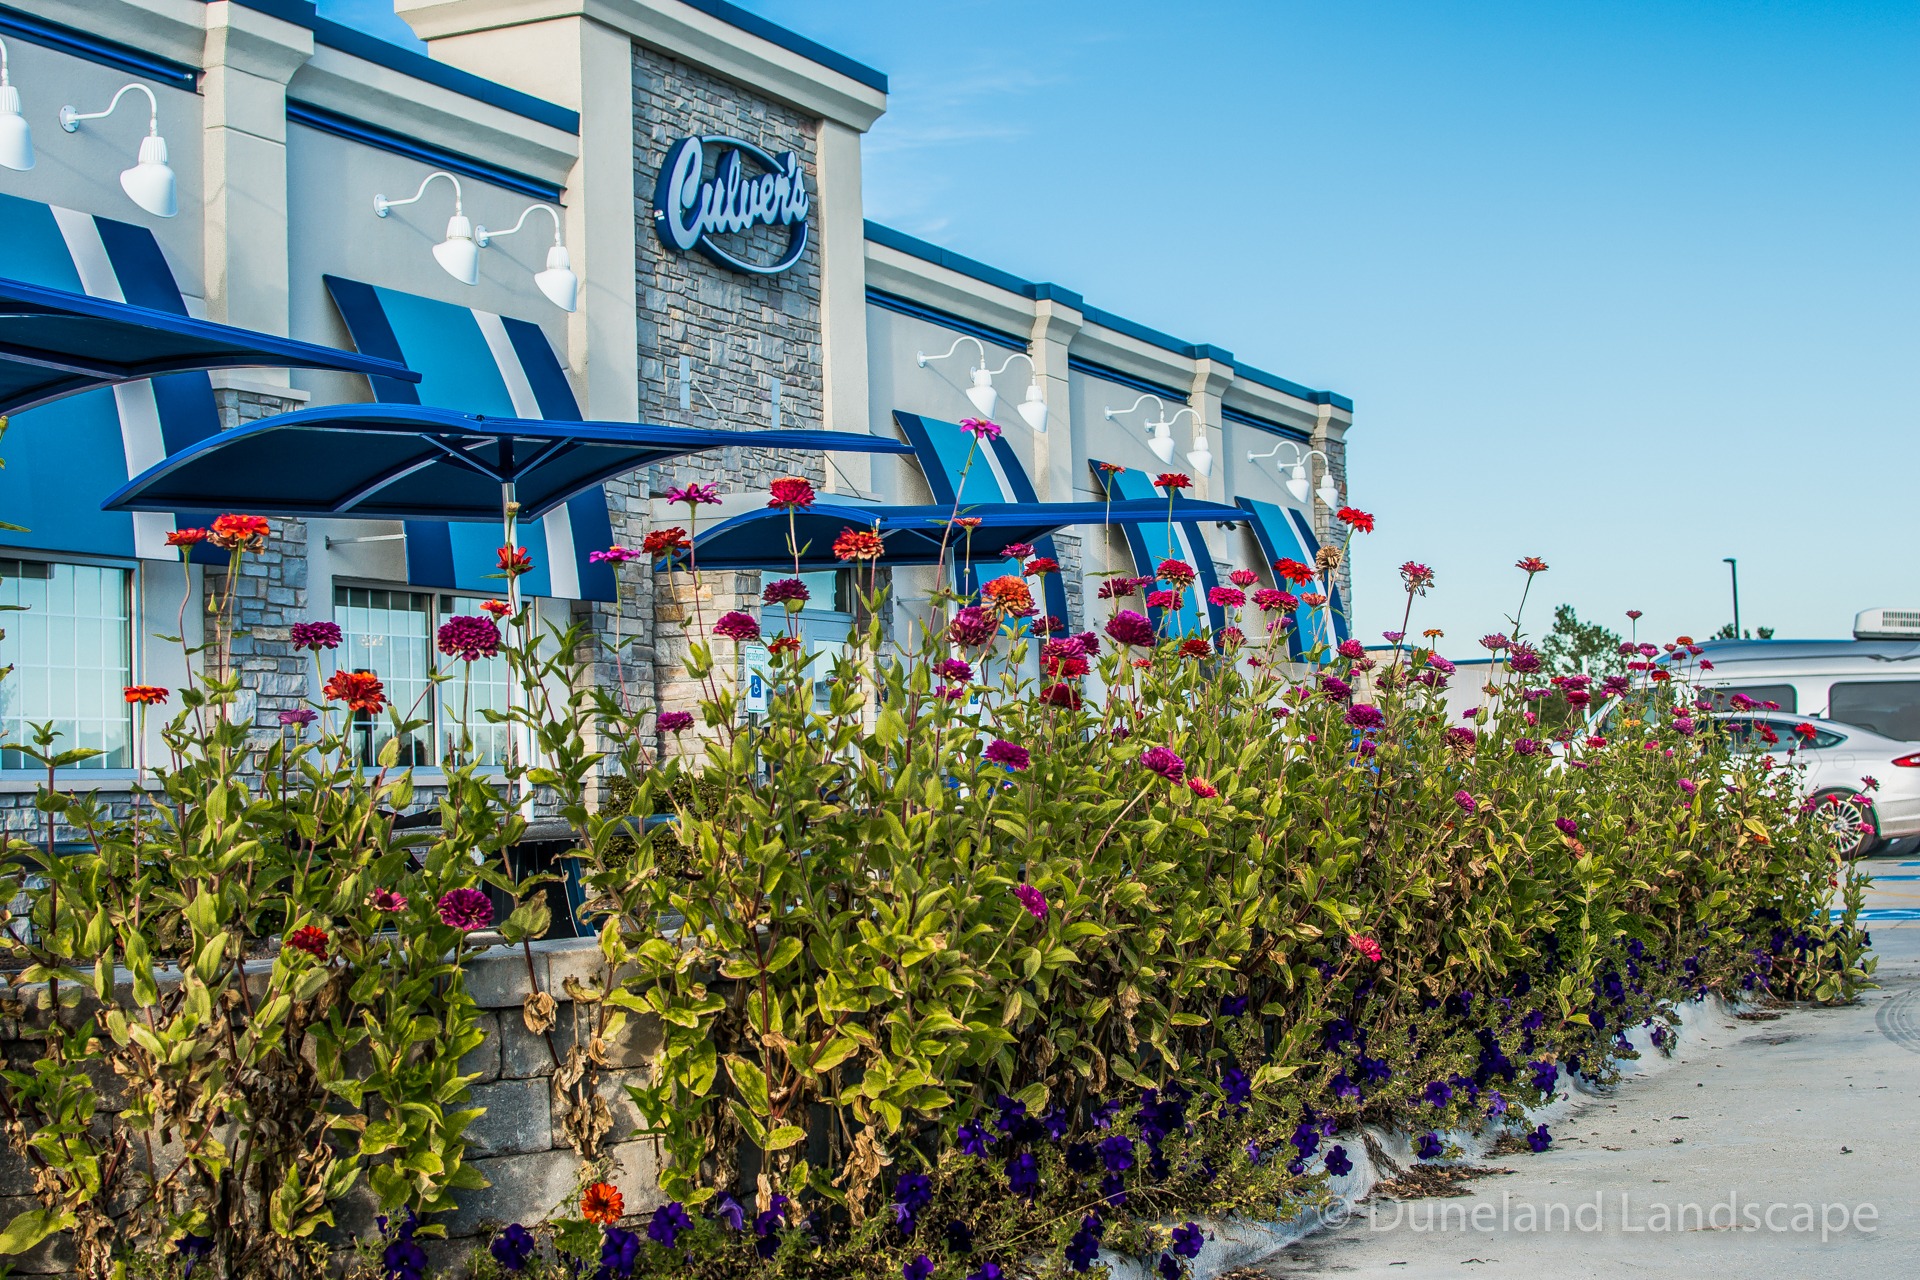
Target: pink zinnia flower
(1273,601)
(1016,551)
(1364,715)
(1466,801)
(1689,786)
(1352,649)
(1417,577)
(1365,946)
(1567,826)
(1032,899)
(387,900)
(954,669)
(1164,762)
(1243,577)
(980,428)
(1178,572)
(782,590)
(614,555)
(1202,788)
(465,910)
(1163,599)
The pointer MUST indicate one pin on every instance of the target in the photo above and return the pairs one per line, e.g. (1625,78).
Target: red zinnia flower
(1531,564)
(1293,570)
(1173,480)
(310,940)
(664,542)
(1202,788)
(969,522)
(1195,647)
(242,532)
(186,537)
(1178,572)
(784,644)
(1355,518)
(1313,599)
(791,491)
(859,544)
(1110,468)
(514,561)
(1041,565)
(145,695)
(360,690)
(1061,694)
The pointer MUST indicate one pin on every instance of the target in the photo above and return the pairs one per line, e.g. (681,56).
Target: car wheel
(1853,827)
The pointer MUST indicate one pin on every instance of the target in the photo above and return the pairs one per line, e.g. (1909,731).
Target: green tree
(1575,646)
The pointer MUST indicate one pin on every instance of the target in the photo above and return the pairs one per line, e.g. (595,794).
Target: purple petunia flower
(1540,1139)
(619,1251)
(728,1212)
(1188,1239)
(668,1221)
(1338,1163)
(513,1247)
(1023,1175)
(1429,1147)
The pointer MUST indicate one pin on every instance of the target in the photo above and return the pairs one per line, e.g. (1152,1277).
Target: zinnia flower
(1172,480)
(621,555)
(387,900)
(1032,899)
(360,690)
(1228,639)
(662,542)
(1272,601)
(186,537)
(695,494)
(675,721)
(1040,566)
(858,544)
(1009,595)
(1243,577)
(1128,627)
(980,428)
(310,940)
(734,625)
(1466,801)
(790,491)
(1226,597)
(1164,762)
(240,532)
(465,909)
(1202,788)
(1351,648)
(1567,826)
(1460,738)
(1016,551)
(1355,518)
(1178,572)
(469,638)
(972,627)
(954,669)
(301,716)
(514,561)
(1163,599)
(1689,786)
(1417,577)
(1009,755)
(144,695)
(1195,647)
(1061,694)
(1292,570)
(601,1202)
(314,636)
(498,608)
(1364,715)
(783,644)
(1531,564)
(1365,946)
(788,591)
(1635,615)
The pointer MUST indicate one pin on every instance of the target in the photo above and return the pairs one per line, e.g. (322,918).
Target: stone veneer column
(1330,437)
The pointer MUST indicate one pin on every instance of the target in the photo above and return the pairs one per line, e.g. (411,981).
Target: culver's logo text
(693,211)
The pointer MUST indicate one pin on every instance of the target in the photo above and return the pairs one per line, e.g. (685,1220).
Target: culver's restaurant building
(688,177)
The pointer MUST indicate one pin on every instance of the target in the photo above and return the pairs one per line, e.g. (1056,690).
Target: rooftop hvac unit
(1887,624)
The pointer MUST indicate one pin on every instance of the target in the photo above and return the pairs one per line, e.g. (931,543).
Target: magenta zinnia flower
(387,900)
(465,910)
(1128,627)
(737,626)
(1226,597)
(781,590)
(1032,899)
(314,635)
(1466,801)
(301,716)
(980,428)
(972,627)
(695,494)
(1364,715)
(469,638)
(1567,826)
(675,721)
(1164,762)
(954,669)
(1010,755)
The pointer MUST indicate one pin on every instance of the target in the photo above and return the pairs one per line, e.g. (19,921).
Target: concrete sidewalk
(1817,1113)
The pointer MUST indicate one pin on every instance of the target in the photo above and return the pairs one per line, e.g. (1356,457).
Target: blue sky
(1628,286)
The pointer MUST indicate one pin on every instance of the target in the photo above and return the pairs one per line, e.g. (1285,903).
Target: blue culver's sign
(749,188)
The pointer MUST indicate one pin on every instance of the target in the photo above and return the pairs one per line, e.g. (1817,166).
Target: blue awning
(914,534)
(416,462)
(56,343)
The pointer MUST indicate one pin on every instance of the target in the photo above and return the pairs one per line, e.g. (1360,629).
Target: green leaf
(785,1136)
(749,1081)
(31,1227)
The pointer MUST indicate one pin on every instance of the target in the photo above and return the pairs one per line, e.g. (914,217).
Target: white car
(1836,760)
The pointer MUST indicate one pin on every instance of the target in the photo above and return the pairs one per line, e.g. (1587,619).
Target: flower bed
(1013,948)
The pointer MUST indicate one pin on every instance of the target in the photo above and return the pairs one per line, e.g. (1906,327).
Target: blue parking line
(1883,913)
(1879,878)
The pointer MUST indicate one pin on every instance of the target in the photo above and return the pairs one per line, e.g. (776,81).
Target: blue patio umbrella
(418,462)
(56,343)
(913,534)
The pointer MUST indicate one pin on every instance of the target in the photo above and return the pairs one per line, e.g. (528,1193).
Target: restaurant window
(68,648)
(391,634)
(822,625)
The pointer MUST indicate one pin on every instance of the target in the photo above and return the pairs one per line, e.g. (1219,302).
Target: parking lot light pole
(1734,566)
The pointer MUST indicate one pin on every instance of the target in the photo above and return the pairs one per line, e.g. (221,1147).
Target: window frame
(133,584)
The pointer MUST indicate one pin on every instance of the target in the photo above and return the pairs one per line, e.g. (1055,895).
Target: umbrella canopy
(416,462)
(913,535)
(55,343)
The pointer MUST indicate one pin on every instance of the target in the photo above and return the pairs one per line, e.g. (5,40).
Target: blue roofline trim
(945,319)
(755,25)
(974,269)
(1143,385)
(466,166)
(385,53)
(1230,414)
(80,44)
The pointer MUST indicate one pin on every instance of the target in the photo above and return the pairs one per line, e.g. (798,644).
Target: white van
(1874,684)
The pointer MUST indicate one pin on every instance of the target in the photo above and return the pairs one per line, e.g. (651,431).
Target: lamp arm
(3,63)
(482,236)
(70,119)
(1004,364)
(1199,423)
(924,359)
(381,204)
(1114,413)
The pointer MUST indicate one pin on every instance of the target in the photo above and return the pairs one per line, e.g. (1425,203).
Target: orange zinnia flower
(145,695)
(498,608)
(240,532)
(1009,594)
(858,544)
(602,1202)
(360,690)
